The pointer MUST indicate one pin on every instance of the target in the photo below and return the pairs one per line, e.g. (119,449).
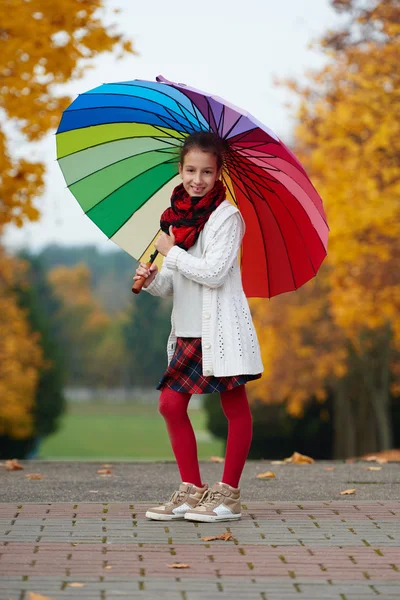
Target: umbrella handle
(137,286)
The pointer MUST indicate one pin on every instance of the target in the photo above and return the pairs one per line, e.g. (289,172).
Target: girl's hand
(149,273)
(165,242)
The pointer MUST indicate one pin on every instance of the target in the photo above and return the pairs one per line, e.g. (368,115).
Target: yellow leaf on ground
(329,468)
(34,476)
(33,596)
(216,459)
(104,472)
(13,465)
(266,475)
(299,459)
(347,492)
(179,566)
(384,456)
(108,567)
(106,466)
(76,585)
(277,462)
(373,468)
(224,536)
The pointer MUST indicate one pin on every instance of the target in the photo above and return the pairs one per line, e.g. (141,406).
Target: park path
(342,549)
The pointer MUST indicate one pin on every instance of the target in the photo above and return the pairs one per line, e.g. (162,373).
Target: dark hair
(206,141)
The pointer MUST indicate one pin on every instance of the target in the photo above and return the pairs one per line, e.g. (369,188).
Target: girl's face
(199,172)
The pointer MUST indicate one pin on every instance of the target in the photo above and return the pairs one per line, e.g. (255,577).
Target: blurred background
(80,356)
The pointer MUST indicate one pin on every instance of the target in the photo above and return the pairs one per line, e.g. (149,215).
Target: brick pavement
(342,550)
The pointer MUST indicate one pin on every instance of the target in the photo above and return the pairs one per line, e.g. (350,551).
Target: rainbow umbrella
(118,147)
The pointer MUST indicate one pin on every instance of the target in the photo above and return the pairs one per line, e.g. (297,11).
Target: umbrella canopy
(118,148)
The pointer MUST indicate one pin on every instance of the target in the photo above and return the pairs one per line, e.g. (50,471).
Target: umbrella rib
(295,224)
(240,168)
(161,92)
(129,180)
(130,216)
(233,127)
(221,119)
(164,139)
(179,105)
(194,110)
(160,151)
(244,191)
(127,108)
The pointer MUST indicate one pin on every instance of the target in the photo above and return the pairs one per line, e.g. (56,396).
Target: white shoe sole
(210,519)
(159,517)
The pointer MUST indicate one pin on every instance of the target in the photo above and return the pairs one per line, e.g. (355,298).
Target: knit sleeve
(220,254)
(162,284)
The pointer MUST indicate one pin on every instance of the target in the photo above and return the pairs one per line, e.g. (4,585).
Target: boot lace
(177,497)
(209,498)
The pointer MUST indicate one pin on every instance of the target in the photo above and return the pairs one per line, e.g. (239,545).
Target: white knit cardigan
(229,340)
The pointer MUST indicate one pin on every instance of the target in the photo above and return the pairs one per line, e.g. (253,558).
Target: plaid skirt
(184,373)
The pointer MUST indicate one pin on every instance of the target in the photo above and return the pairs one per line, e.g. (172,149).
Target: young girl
(213,345)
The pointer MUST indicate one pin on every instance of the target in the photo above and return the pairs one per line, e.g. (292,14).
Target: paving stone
(329,550)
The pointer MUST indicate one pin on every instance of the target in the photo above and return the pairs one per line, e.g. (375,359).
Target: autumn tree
(348,139)
(21,357)
(43,44)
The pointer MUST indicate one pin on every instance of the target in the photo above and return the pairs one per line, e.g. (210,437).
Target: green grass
(99,431)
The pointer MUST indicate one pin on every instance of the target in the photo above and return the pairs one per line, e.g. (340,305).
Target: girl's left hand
(165,242)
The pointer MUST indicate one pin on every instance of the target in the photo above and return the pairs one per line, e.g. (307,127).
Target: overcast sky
(232,48)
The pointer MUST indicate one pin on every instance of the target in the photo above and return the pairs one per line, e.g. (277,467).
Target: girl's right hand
(149,273)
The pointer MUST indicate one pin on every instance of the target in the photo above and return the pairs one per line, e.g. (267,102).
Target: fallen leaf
(106,466)
(179,566)
(104,472)
(347,492)
(34,476)
(93,491)
(329,468)
(216,459)
(266,475)
(277,462)
(13,465)
(76,585)
(373,468)
(33,596)
(224,536)
(386,455)
(299,459)
(108,567)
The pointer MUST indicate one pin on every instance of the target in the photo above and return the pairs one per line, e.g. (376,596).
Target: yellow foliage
(43,44)
(20,356)
(348,138)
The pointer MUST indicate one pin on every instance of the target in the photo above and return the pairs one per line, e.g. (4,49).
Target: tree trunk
(343,424)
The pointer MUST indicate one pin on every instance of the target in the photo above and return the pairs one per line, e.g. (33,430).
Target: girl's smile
(199,172)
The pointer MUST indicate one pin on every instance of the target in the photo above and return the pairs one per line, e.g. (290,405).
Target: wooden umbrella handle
(137,286)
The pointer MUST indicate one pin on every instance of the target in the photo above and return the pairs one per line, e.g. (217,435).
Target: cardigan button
(207,346)
(207,315)
(208,372)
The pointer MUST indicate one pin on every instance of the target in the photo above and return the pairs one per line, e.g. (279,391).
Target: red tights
(173,407)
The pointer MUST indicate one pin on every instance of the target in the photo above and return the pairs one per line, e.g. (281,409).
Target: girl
(213,345)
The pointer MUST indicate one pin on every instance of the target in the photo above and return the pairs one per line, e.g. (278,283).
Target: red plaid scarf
(188,214)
